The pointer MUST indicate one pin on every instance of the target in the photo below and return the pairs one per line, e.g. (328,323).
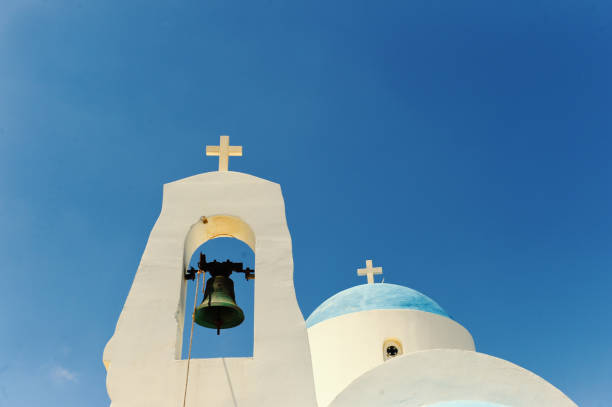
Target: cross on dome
(224,151)
(369,271)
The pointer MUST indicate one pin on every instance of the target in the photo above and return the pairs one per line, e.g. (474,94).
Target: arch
(234,342)
(210,227)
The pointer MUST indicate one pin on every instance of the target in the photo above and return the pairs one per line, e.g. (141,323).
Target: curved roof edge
(379,296)
(219,174)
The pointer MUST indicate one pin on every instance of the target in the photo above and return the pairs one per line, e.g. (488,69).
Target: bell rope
(195,304)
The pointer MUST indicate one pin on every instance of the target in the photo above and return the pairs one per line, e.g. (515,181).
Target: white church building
(375,344)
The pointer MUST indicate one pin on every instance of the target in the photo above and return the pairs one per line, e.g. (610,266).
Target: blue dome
(373,296)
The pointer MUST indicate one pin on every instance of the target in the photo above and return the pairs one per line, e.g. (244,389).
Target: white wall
(345,347)
(428,377)
(143,356)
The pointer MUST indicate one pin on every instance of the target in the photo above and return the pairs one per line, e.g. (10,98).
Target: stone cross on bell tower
(224,151)
(369,271)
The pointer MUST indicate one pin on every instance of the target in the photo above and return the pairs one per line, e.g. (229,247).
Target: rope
(195,304)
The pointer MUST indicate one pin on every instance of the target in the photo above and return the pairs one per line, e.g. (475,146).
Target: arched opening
(220,238)
(232,342)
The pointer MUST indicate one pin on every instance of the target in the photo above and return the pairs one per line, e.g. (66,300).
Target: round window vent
(392,347)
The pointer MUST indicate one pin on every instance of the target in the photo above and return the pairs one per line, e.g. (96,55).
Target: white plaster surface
(345,347)
(429,377)
(143,356)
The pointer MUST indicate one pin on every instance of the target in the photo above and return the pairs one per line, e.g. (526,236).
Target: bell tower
(143,357)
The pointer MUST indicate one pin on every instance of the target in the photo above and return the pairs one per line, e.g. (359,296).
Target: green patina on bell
(218,310)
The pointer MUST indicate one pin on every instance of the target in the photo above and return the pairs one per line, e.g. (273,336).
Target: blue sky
(463,146)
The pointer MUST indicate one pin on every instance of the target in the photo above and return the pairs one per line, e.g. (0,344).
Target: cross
(224,150)
(369,271)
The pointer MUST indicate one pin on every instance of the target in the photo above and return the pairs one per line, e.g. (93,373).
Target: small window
(392,347)
(392,351)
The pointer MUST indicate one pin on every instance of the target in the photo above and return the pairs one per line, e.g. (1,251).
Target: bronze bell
(218,310)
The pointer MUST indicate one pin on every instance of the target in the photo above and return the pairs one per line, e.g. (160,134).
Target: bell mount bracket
(217,268)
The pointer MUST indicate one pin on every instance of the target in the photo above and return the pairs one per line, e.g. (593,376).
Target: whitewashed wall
(345,347)
(428,377)
(143,356)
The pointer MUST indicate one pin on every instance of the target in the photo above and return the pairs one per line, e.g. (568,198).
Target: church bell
(218,310)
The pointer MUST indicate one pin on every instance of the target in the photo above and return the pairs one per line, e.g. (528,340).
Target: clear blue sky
(464,146)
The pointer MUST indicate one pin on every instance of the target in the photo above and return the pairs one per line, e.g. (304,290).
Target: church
(375,344)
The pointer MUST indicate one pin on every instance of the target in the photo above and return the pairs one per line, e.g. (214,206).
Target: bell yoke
(218,309)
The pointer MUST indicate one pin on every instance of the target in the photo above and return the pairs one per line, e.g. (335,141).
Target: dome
(367,297)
